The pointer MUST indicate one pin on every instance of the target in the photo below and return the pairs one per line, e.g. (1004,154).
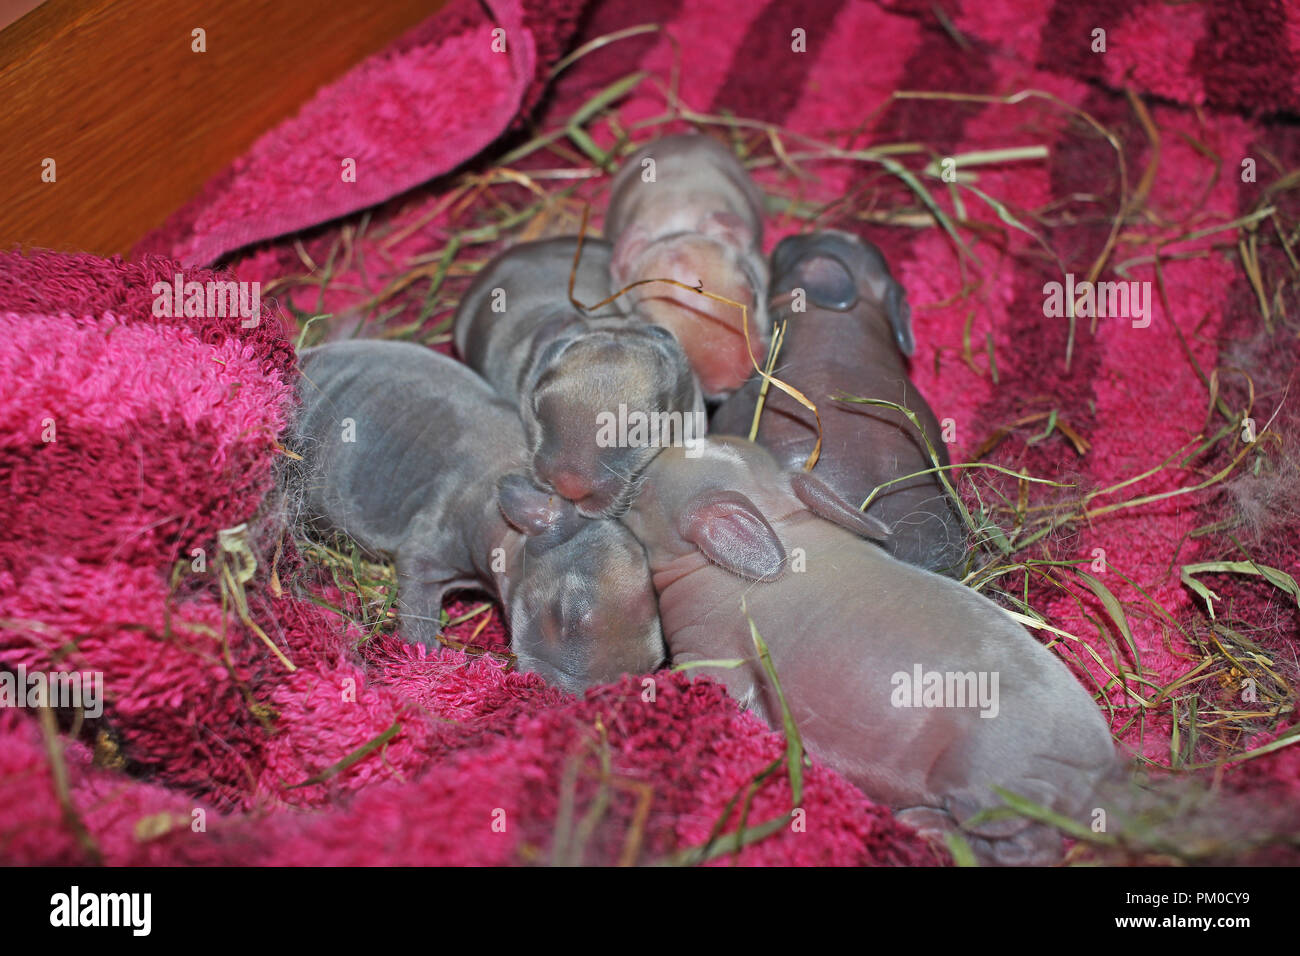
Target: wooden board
(137,122)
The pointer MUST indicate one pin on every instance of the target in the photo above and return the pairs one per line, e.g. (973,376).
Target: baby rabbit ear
(829,282)
(531,510)
(629,248)
(729,228)
(887,289)
(731,532)
(824,503)
(550,341)
(900,317)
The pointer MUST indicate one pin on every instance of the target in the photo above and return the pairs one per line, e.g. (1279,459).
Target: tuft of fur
(1264,501)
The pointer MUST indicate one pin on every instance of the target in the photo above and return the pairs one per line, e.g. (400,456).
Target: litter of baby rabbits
(1013,519)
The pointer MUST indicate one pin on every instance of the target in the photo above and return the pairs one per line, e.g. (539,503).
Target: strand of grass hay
(233,542)
(717,845)
(566,851)
(1279,579)
(1048,525)
(335,769)
(929,447)
(62,793)
(778,336)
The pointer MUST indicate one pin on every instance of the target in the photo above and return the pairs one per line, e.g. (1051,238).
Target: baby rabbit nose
(574,487)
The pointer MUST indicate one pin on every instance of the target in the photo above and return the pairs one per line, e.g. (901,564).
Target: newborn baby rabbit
(855,636)
(851,339)
(699,220)
(412,455)
(570,373)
